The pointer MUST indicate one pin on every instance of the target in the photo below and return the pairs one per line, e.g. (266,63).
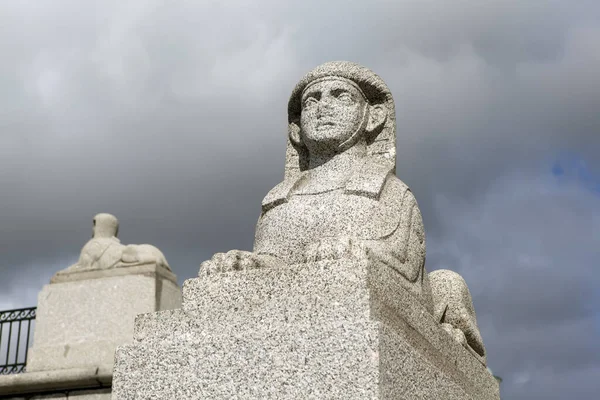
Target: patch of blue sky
(570,166)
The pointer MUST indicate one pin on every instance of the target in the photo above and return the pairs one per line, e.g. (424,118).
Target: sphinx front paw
(233,260)
(335,248)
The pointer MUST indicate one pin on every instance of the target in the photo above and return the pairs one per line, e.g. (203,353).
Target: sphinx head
(337,106)
(105,226)
(336,115)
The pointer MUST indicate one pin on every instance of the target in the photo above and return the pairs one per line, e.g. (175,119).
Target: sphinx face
(332,112)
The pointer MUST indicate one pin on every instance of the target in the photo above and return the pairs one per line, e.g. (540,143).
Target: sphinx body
(105,251)
(374,215)
(340,197)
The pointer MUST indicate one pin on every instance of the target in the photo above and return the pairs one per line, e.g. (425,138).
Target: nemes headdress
(381,144)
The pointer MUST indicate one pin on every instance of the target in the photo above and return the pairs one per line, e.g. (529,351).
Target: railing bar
(17,314)
(27,343)
(17,309)
(18,342)
(1,328)
(8,343)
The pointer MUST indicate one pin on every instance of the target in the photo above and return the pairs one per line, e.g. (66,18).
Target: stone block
(82,318)
(326,330)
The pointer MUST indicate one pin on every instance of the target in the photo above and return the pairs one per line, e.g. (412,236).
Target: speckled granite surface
(80,323)
(327,330)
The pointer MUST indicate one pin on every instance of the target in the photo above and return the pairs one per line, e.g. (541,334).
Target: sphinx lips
(325,124)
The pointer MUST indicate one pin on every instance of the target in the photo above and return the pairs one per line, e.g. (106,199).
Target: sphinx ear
(294,134)
(377,118)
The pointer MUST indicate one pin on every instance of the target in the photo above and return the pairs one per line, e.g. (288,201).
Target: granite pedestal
(81,319)
(326,330)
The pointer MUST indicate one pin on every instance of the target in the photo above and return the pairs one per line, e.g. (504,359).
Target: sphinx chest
(286,229)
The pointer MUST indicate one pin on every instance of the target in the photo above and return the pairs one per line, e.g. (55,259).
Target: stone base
(79,383)
(329,330)
(96,394)
(83,317)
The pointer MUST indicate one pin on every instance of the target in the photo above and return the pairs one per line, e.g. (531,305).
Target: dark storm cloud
(172,116)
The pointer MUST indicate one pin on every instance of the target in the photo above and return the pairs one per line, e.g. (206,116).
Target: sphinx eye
(344,96)
(309,101)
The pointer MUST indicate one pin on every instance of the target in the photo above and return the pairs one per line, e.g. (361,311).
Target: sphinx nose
(324,106)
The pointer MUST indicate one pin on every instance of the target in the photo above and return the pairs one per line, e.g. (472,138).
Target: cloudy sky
(172,116)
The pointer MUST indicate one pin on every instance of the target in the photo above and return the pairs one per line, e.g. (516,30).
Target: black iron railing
(16,331)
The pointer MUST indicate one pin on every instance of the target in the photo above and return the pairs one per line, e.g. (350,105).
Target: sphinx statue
(340,197)
(105,251)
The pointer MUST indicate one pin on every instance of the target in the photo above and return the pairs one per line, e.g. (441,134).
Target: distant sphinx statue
(105,251)
(340,197)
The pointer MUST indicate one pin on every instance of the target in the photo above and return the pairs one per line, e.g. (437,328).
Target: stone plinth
(327,330)
(92,383)
(83,317)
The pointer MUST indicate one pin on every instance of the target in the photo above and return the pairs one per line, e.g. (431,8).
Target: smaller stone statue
(105,251)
